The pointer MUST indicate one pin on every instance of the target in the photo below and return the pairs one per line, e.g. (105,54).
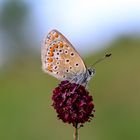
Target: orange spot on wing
(56,35)
(66,45)
(51,37)
(52,49)
(49,68)
(56,45)
(51,53)
(50,59)
(61,44)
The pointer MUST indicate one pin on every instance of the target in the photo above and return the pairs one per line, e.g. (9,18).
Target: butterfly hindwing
(59,57)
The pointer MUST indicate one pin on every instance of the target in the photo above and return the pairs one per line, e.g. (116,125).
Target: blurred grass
(25,98)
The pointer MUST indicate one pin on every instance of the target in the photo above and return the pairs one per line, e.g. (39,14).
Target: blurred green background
(25,91)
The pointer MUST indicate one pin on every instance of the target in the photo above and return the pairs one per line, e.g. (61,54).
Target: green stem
(76,132)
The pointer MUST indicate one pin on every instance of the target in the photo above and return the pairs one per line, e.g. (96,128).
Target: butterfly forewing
(59,57)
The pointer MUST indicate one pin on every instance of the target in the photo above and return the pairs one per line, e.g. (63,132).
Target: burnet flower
(73,103)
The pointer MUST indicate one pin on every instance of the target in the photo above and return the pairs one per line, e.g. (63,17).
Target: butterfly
(61,60)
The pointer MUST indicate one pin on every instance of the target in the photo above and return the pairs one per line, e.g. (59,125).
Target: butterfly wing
(59,57)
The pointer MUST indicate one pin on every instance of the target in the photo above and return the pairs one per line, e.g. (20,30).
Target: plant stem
(76,132)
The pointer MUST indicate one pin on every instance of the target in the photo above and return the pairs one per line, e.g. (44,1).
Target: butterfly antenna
(101,59)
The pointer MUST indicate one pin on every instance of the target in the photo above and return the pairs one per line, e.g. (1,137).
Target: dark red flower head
(73,103)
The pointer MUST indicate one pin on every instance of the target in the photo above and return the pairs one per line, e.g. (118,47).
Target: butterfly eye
(89,72)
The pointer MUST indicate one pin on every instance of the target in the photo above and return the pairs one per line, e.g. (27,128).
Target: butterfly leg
(80,80)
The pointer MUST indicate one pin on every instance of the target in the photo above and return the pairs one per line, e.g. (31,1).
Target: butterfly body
(61,60)
(84,78)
